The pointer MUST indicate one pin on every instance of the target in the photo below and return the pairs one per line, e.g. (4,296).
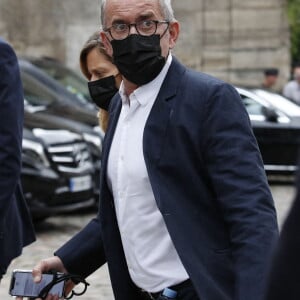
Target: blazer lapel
(156,125)
(158,120)
(113,120)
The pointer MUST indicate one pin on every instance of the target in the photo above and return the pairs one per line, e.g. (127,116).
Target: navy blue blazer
(209,183)
(16,230)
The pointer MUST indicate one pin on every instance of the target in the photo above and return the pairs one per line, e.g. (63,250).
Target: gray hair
(166,9)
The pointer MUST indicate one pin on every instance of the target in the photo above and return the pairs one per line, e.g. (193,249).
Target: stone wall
(231,39)
(53,28)
(234,39)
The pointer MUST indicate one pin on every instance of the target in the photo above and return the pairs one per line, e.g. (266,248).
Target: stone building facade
(231,39)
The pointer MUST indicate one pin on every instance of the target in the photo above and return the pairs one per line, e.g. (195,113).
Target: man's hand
(44,266)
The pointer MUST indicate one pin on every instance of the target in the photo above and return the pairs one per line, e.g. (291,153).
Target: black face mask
(138,57)
(102,91)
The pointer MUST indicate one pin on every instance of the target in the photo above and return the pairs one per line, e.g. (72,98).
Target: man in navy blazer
(16,230)
(197,153)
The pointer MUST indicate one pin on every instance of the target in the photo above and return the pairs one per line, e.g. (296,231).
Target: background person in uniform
(292,89)
(16,230)
(105,78)
(270,79)
(185,202)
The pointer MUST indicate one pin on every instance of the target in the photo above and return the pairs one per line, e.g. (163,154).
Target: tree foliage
(294,21)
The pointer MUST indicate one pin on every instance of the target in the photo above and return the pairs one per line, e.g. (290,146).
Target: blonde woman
(104,77)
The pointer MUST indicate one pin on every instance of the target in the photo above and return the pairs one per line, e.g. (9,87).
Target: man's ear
(174,30)
(106,43)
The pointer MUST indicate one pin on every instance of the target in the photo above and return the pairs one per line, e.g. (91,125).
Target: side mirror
(270,114)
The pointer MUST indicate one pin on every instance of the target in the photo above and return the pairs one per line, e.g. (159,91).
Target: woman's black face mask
(102,91)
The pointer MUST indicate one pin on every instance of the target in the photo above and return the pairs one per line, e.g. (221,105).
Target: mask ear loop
(75,278)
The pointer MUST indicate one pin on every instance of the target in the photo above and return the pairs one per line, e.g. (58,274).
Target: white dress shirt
(151,257)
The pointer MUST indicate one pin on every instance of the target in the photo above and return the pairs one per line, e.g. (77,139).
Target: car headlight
(94,140)
(35,152)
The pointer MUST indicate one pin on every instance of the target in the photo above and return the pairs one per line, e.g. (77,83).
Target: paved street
(55,231)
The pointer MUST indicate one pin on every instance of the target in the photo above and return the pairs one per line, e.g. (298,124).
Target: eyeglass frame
(156,22)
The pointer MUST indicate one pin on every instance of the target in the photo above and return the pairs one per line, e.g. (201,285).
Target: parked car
(276,125)
(42,90)
(38,117)
(50,105)
(57,172)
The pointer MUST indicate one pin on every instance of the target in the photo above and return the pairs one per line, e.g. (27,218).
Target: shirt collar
(147,92)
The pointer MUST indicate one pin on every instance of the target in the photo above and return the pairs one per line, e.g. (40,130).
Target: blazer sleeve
(11,125)
(238,179)
(84,253)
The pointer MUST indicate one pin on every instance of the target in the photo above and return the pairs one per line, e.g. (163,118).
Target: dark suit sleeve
(285,272)
(84,253)
(237,176)
(11,125)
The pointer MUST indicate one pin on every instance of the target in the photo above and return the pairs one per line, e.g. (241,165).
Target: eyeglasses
(120,31)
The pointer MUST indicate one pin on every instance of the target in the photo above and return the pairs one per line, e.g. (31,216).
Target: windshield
(35,93)
(68,78)
(278,101)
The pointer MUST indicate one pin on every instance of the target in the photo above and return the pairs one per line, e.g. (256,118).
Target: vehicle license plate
(82,183)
